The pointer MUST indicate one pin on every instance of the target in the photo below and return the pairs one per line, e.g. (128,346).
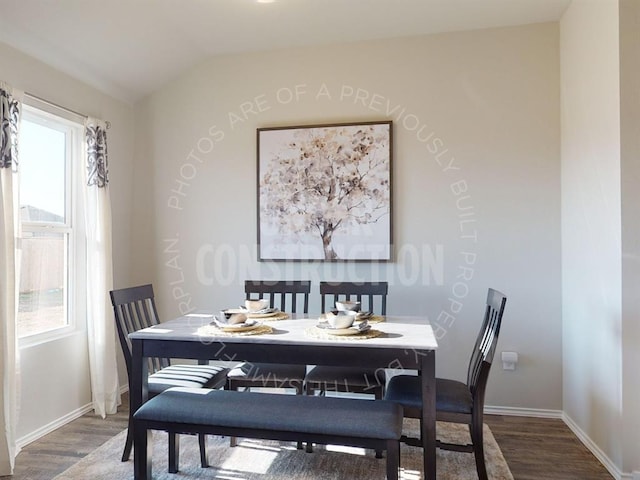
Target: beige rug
(265,460)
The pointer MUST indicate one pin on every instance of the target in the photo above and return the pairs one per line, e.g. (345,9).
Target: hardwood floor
(543,448)
(54,453)
(535,449)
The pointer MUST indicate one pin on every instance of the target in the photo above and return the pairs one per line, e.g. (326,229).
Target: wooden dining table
(404,343)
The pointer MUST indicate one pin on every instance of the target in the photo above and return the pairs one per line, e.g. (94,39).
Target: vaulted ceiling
(128,48)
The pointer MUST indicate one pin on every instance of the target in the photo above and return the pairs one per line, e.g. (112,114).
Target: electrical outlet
(509,360)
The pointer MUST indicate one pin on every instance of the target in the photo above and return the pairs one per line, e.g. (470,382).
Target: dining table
(401,343)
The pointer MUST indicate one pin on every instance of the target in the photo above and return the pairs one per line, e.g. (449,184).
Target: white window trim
(45,114)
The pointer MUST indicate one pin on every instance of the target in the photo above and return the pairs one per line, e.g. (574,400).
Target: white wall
(591,222)
(490,98)
(55,378)
(630,176)
(491,101)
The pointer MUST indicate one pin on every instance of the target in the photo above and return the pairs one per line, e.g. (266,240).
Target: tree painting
(316,182)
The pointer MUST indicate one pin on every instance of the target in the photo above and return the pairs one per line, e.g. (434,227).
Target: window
(49,159)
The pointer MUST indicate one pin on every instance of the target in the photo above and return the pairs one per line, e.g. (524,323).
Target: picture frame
(324,192)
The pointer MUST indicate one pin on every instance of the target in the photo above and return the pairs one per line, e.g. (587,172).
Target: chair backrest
(134,309)
(485,346)
(293,290)
(364,292)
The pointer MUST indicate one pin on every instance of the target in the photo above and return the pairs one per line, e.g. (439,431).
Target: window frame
(73,227)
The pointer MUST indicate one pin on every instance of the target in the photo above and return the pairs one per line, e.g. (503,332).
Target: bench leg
(202,440)
(393,459)
(310,391)
(142,454)
(300,390)
(174,452)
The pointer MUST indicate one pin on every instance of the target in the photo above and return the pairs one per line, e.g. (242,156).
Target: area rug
(266,460)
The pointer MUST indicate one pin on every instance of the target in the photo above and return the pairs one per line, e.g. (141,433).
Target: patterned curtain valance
(97,162)
(9,118)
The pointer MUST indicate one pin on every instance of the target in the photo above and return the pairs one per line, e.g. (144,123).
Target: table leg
(142,449)
(138,394)
(428,375)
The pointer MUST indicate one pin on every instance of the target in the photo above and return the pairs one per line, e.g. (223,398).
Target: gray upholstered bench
(325,420)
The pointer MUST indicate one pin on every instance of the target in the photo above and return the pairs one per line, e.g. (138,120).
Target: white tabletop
(406,332)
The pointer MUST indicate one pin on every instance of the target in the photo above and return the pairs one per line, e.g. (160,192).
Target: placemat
(270,318)
(319,333)
(213,331)
(371,319)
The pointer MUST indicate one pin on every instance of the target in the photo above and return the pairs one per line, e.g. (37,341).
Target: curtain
(10,106)
(100,322)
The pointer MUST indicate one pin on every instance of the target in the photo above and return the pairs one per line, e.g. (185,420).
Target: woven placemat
(375,319)
(319,333)
(270,318)
(213,331)
(371,319)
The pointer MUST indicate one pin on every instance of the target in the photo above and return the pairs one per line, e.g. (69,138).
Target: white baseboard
(523,412)
(597,451)
(578,432)
(41,432)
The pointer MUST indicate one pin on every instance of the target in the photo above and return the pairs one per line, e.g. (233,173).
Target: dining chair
(373,298)
(321,378)
(456,401)
(134,309)
(288,296)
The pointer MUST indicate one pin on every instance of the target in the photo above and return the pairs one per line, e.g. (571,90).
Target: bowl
(232,318)
(256,305)
(348,305)
(341,318)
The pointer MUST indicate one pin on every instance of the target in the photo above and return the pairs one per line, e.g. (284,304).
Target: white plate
(264,314)
(240,327)
(236,327)
(353,330)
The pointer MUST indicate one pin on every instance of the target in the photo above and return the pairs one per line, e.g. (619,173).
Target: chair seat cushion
(346,377)
(269,411)
(194,376)
(268,373)
(451,396)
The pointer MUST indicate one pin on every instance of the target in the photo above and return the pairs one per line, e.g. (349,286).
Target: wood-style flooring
(544,449)
(535,449)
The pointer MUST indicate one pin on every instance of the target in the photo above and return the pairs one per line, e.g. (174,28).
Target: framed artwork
(324,192)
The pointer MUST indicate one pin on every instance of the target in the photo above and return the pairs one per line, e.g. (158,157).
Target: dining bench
(373,424)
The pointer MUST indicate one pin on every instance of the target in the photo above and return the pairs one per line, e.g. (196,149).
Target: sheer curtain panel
(100,323)
(10,107)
